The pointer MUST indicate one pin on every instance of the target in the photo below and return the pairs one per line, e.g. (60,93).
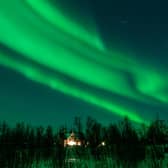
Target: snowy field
(91,163)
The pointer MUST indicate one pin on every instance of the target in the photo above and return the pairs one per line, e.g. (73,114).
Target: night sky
(65,58)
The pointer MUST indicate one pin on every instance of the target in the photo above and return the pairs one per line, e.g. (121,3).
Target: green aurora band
(42,33)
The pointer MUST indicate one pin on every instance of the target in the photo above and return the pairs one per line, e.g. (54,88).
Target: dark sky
(136,28)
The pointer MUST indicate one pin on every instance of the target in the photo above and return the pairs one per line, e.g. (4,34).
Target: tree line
(93,133)
(126,143)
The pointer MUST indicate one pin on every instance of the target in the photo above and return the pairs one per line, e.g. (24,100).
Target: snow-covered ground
(90,163)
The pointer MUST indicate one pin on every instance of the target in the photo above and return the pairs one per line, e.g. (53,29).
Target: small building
(73,139)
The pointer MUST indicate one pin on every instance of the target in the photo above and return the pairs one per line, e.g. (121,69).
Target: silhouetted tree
(26,135)
(19,135)
(77,124)
(113,135)
(130,152)
(32,138)
(60,150)
(39,136)
(112,138)
(5,133)
(156,140)
(157,132)
(49,137)
(93,135)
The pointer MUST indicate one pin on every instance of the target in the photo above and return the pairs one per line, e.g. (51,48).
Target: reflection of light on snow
(72,160)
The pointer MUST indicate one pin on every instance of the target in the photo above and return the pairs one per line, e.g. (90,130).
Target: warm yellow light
(71,143)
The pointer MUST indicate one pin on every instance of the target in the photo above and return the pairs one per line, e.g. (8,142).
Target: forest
(121,144)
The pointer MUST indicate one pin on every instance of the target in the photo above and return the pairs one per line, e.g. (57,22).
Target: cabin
(73,139)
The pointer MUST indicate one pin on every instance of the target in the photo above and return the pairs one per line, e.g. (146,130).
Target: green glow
(54,16)
(43,34)
(71,57)
(40,76)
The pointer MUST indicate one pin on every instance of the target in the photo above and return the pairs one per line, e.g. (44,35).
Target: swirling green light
(53,15)
(41,33)
(42,77)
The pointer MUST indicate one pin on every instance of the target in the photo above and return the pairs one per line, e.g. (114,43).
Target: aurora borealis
(42,43)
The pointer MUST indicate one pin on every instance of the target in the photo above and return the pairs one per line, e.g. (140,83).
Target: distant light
(79,143)
(103,143)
